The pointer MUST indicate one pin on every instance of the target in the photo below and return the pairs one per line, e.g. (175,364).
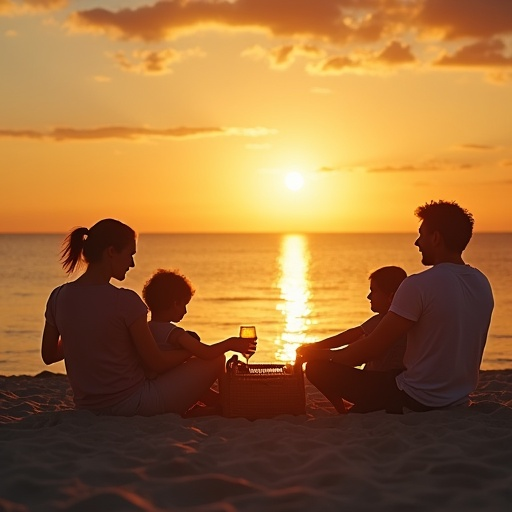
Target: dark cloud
(169,19)
(344,33)
(467,18)
(396,53)
(325,20)
(393,55)
(488,53)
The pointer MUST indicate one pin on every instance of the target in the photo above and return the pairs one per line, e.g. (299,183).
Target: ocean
(294,288)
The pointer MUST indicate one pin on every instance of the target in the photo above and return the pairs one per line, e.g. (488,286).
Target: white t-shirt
(161,332)
(102,363)
(451,306)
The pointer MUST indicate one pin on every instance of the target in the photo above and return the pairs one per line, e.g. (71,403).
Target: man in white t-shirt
(445,312)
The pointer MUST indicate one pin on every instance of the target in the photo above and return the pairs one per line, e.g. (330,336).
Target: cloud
(18,7)
(336,21)
(394,54)
(340,168)
(21,134)
(282,57)
(469,18)
(329,168)
(133,133)
(334,65)
(403,168)
(158,62)
(477,147)
(488,53)
(331,20)
(165,20)
(350,30)
(427,166)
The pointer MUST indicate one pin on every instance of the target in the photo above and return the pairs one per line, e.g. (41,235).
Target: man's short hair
(388,279)
(164,288)
(455,224)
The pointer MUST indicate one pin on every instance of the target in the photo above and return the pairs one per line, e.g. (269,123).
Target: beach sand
(55,458)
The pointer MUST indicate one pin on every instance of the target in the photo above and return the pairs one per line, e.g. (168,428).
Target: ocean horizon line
(33,233)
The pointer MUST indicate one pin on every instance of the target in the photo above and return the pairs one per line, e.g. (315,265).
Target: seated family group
(421,350)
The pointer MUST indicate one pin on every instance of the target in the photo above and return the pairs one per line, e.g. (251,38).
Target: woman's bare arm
(51,345)
(154,359)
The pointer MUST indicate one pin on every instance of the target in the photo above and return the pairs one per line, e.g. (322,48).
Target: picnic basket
(256,391)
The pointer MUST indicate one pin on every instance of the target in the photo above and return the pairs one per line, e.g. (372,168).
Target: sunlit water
(293,288)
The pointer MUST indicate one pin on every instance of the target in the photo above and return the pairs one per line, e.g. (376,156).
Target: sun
(294,180)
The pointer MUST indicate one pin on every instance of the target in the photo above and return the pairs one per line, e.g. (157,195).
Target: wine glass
(248,331)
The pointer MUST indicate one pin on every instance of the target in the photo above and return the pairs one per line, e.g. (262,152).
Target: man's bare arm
(388,332)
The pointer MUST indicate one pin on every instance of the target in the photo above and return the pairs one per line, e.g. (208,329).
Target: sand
(55,458)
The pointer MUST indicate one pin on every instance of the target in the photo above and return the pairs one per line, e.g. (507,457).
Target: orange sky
(186,116)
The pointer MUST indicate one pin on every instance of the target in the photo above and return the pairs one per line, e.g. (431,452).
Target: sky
(254,115)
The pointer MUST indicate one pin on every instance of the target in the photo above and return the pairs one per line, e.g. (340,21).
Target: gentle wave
(234,299)
(291,287)
(20,332)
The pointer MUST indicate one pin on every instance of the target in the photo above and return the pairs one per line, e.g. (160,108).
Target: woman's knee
(315,370)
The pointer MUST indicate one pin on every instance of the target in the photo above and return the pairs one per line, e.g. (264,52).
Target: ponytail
(72,250)
(87,245)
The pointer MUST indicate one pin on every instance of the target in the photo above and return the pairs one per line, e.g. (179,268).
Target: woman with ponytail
(101,333)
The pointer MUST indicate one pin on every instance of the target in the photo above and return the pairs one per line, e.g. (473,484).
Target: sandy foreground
(55,458)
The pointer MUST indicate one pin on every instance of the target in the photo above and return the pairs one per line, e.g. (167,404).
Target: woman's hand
(245,346)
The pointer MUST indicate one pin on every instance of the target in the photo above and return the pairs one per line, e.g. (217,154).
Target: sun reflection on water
(295,295)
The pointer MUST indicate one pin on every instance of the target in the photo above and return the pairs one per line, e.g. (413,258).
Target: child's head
(168,291)
(384,282)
